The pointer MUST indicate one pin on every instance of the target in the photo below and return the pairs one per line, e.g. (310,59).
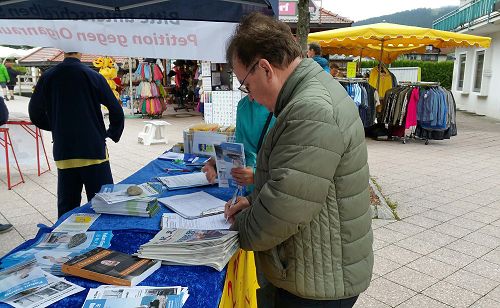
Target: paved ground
(444,252)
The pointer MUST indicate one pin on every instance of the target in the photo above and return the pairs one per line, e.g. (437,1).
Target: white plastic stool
(153,132)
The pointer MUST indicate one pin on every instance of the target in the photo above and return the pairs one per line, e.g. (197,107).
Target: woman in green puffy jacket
(4,79)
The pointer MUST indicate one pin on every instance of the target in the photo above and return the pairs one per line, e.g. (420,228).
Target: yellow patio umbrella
(383,34)
(393,37)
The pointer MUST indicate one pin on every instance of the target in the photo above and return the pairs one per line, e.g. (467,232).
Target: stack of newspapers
(212,248)
(114,199)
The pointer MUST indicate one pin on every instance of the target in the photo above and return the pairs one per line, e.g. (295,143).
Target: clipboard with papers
(187,180)
(194,205)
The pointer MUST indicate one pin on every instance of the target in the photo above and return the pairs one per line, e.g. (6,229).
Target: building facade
(476,70)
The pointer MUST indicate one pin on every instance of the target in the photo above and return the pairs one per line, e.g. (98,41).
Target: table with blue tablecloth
(205,283)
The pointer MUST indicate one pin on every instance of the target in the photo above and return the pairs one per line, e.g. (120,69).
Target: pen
(177,169)
(233,199)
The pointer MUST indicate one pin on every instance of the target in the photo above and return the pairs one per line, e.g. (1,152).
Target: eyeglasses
(243,88)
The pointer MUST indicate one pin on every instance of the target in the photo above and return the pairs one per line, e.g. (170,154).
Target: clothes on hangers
(431,109)
(387,80)
(365,97)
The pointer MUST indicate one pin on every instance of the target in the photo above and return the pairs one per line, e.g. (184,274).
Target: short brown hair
(316,48)
(260,36)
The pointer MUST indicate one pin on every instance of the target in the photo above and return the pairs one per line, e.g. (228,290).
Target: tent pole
(130,89)
(380,66)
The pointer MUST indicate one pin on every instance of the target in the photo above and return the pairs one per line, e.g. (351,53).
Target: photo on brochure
(228,155)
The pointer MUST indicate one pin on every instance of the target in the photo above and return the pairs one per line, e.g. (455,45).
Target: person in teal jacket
(4,79)
(251,118)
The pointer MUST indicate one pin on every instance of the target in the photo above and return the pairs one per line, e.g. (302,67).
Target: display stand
(6,142)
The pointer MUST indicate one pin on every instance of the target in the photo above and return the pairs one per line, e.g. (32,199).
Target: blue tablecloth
(205,284)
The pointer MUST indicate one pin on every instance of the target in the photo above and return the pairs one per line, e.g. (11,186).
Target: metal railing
(25,83)
(466,16)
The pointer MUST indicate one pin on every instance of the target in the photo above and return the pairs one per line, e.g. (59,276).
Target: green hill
(418,17)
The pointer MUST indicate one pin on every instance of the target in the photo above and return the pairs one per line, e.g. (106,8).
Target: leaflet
(214,222)
(55,290)
(21,279)
(228,156)
(143,296)
(79,222)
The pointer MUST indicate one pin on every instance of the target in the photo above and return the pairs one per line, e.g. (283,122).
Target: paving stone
(405,228)
(436,238)
(417,245)
(490,230)
(422,301)
(466,223)
(432,267)
(486,303)
(493,256)
(365,301)
(452,295)
(452,230)
(422,221)
(472,282)
(452,257)
(481,217)
(469,248)
(382,266)
(494,295)
(398,254)
(388,235)
(411,279)
(482,239)
(389,292)
(438,215)
(485,269)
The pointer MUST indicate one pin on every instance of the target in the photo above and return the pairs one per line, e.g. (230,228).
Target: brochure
(148,190)
(55,290)
(79,222)
(20,279)
(228,156)
(118,297)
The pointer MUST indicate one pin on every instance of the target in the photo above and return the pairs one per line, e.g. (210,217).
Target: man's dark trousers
(70,183)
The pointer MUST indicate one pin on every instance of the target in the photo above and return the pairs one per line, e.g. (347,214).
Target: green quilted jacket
(310,219)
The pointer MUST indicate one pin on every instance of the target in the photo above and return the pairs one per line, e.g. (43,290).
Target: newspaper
(55,290)
(192,247)
(148,190)
(21,279)
(124,297)
(214,222)
(228,156)
(79,222)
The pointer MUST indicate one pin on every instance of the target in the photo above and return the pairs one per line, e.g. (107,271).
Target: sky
(363,9)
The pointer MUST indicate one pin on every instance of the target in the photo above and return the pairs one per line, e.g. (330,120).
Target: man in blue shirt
(314,52)
(67,101)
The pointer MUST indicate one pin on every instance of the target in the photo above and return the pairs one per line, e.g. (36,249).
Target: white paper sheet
(184,180)
(194,205)
(214,222)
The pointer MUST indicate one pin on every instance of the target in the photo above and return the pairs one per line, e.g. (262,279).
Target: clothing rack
(420,83)
(351,80)
(432,115)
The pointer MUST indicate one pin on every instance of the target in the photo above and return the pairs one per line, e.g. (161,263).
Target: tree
(303,23)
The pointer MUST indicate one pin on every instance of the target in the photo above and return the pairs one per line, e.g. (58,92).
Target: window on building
(478,75)
(461,71)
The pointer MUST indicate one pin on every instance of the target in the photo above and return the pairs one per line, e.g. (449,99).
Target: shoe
(5,98)
(5,228)
(12,98)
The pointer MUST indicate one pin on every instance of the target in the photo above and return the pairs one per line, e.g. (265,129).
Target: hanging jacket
(322,62)
(310,219)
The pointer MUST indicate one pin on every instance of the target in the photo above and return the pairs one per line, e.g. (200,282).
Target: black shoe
(5,228)
(5,98)
(12,98)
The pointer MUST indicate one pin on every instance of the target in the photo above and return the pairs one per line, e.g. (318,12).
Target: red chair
(6,142)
